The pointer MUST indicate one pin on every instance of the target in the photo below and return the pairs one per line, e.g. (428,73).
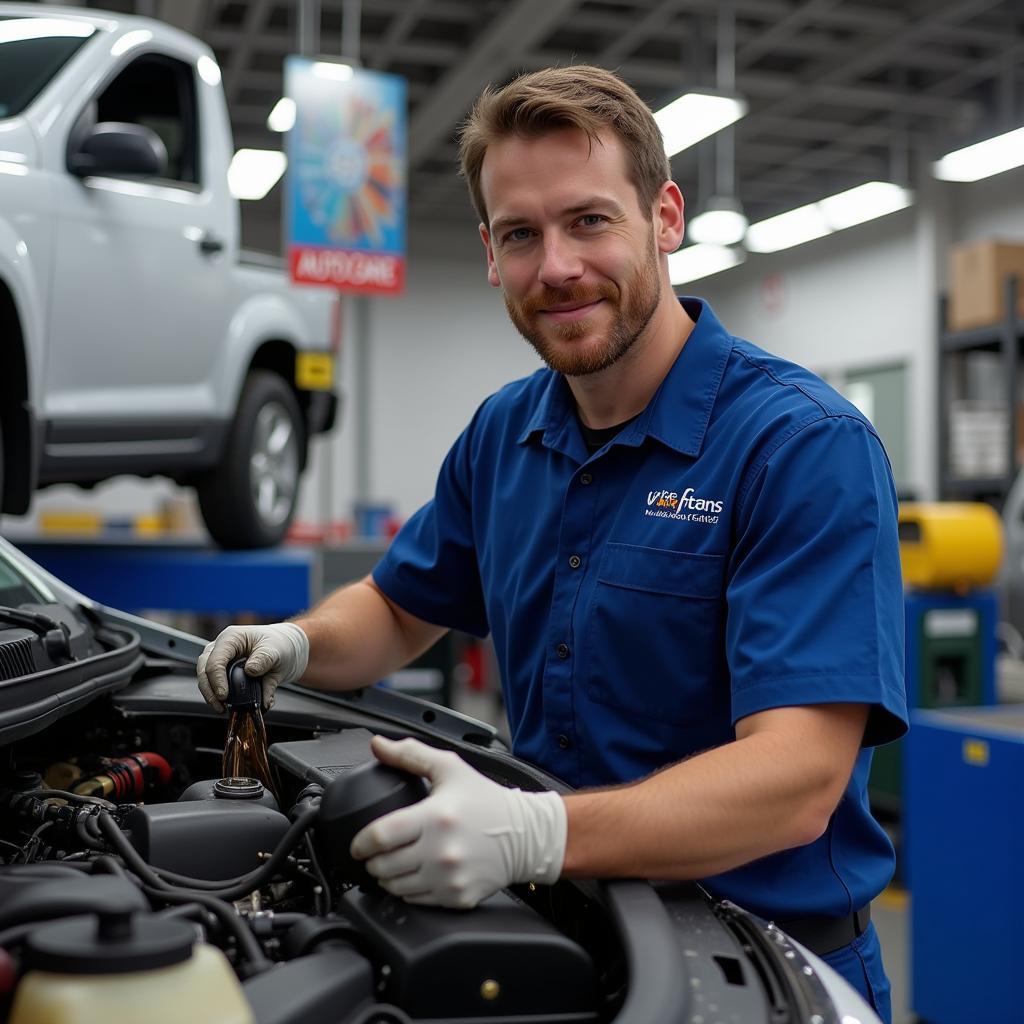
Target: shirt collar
(680,410)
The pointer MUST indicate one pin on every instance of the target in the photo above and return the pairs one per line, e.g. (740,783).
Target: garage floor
(890,914)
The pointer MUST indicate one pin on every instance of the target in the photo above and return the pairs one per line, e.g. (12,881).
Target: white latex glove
(469,838)
(279,652)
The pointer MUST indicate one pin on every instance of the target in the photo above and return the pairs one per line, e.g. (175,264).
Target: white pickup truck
(133,339)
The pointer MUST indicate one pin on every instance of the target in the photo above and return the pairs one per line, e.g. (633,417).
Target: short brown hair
(579,96)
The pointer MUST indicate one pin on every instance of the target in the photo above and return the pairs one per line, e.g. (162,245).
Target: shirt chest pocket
(655,635)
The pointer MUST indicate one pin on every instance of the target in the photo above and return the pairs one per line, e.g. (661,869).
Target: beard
(633,305)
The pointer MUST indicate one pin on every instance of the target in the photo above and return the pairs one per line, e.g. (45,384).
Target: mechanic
(683,547)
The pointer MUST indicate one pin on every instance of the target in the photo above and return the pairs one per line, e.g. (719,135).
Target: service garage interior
(222,398)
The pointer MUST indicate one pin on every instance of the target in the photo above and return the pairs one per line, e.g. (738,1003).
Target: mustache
(567,297)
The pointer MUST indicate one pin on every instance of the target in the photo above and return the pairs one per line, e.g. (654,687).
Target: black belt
(823,935)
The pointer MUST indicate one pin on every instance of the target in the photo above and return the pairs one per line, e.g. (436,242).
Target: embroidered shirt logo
(686,506)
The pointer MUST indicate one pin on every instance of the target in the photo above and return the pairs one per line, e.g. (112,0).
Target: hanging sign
(346,180)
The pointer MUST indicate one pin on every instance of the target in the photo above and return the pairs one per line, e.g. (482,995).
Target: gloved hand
(278,652)
(469,838)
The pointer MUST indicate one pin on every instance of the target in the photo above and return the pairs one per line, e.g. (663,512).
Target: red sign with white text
(353,271)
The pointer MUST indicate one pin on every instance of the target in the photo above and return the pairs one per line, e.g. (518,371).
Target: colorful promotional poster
(346,178)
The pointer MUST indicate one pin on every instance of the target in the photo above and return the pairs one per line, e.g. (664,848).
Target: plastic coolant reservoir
(158,976)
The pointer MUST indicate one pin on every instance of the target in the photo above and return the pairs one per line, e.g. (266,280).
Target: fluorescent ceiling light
(328,69)
(17,29)
(803,224)
(843,210)
(695,116)
(983,158)
(254,172)
(865,202)
(282,117)
(723,222)
(697,261)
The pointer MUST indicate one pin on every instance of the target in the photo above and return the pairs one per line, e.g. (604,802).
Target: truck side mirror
(114,148)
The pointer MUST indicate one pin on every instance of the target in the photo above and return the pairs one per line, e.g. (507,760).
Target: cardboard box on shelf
(977,284)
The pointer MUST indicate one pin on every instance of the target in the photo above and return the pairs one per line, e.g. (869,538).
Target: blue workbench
(155,575)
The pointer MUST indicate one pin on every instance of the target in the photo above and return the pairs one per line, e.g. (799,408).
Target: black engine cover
(500,960)
(210,839)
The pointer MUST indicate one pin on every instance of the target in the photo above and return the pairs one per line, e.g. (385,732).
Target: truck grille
(16,659)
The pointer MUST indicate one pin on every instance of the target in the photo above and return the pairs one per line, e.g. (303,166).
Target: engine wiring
(93,821)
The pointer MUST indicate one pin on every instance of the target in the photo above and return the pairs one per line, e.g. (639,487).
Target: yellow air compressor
(950,545)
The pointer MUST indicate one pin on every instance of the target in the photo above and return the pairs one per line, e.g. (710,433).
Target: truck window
(32,51)
(159,93)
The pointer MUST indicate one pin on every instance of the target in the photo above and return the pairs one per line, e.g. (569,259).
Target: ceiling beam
(880,97)
(641,29)
(979,70)
(829,76)
(440,10)
(397,32)
(419,51)
(518,27)
(245,41)
(842,15)
(773,154)
(782,30)
(815,161)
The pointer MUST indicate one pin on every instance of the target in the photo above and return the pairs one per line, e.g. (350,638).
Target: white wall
(993,208)
(831,304)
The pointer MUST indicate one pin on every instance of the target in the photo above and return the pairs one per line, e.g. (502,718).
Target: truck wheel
(248,501)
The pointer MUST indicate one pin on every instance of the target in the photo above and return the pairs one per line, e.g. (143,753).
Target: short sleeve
(814,591)
(431,567)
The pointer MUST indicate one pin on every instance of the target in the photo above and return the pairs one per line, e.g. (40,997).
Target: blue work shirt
(732,550)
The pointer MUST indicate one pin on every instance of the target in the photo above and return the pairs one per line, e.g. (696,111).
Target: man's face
(569,246)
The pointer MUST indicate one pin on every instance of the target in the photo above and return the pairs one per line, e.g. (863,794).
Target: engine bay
(118,834)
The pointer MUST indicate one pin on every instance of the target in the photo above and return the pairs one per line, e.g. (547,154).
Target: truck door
(140,303)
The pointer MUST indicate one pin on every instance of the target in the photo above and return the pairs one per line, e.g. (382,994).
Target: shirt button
(562,650)
(563,741)
(586,478)
(575,561)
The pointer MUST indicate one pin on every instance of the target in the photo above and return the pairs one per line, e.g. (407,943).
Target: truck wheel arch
(278,356)
(17,430)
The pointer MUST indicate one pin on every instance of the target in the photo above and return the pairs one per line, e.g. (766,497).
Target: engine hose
(86,836)
(157,889)
(226,889)
(125,778)
(63,794)
(108,866)
(34,806)
(249,950)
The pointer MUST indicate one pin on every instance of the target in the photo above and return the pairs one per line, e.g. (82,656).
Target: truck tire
(249,500)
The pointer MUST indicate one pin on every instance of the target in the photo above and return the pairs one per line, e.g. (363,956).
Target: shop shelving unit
(1004,339)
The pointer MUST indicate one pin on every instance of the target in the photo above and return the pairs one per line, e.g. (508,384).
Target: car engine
(131,872)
